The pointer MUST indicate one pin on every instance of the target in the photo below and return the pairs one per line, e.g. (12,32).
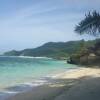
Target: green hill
(52,49)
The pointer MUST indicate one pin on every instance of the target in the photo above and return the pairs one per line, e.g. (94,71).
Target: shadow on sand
(84,88)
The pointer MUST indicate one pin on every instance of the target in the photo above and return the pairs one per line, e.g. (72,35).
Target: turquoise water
(18,70)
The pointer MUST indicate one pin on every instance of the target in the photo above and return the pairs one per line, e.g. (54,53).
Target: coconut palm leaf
(90,25)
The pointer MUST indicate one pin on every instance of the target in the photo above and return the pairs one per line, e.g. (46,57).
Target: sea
(19,74)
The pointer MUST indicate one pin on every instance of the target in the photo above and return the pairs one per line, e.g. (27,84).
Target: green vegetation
(88,55)
(58,50)
(90,24)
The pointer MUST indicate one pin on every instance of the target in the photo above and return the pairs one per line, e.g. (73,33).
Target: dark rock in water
(72,60)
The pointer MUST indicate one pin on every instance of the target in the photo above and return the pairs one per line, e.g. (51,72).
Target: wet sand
(80,84)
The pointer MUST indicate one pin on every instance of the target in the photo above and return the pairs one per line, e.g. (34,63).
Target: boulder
(84,59)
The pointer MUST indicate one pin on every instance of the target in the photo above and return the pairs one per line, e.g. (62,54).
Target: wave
(27,86)
(27,57)
(33,57)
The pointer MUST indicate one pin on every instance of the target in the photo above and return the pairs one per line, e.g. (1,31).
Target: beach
(50,50)
(78,84)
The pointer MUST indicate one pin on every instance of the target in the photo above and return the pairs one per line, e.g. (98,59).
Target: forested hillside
(53,49)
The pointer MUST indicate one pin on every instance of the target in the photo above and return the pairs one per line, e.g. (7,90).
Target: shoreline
(31,77)
(28,86)
(58,85)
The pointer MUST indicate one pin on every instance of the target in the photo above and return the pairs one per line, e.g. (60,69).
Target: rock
(73,60)
(89,56)
(97,52)
(84,59)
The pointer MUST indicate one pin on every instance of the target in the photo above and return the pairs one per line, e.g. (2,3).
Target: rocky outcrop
(85,59)
(91,56)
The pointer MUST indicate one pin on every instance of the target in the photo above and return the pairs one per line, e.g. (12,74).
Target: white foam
(10,92)
(33,57)
(36,83)
(6,94)
(26,57)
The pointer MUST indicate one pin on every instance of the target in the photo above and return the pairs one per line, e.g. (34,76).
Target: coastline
(27,75)
(63,83)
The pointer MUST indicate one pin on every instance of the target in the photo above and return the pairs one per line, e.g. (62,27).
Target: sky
(31,23)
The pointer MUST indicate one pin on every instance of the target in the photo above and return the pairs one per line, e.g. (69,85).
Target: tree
(89,25)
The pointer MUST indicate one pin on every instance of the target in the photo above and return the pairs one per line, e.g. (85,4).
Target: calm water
(18,70)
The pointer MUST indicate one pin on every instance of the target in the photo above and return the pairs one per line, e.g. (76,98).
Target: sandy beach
(80,84)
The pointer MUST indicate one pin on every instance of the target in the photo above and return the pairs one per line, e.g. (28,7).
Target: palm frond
(90,25)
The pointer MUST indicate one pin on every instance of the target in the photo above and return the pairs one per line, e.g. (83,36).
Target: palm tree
(89,25)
